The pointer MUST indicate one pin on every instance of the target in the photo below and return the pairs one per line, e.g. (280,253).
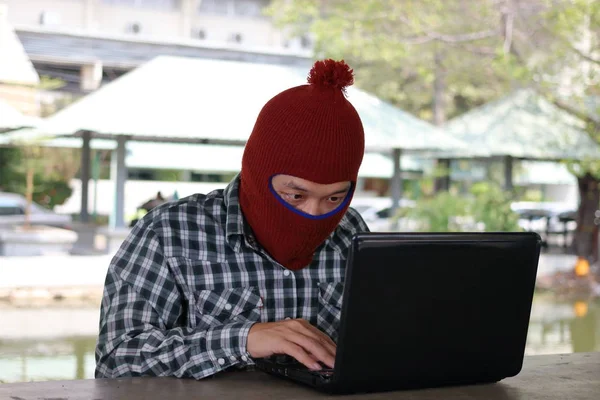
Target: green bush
(52,171)
(51,192)
(48,191)
(435,214)
(486,208)
(491,206)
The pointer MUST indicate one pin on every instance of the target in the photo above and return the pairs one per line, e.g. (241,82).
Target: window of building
(202,177)
(140,174)
(155,4)
(242,8)
(250,8)
(217,7)
(305,42)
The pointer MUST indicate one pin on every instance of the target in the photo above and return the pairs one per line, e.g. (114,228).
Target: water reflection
(563,326)
(557,326)
(54,359)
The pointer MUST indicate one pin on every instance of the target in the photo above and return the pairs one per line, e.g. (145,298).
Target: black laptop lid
(435,309)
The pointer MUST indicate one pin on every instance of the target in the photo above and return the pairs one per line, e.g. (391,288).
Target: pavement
(73,276)
(59,276)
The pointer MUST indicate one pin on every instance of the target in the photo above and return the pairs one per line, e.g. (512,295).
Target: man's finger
(324,337)
(302,356)
(316,334)
(312,346)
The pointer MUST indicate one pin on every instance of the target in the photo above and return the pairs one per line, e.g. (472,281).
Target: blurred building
(18,78)
(85,43)
(239,22)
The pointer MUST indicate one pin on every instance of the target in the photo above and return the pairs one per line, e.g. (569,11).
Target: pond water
(52,343)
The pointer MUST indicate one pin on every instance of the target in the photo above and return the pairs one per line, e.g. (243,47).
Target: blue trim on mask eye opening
(309,216)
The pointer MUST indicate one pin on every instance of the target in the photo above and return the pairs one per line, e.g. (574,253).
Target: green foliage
(400,47)
(534,195)
(437,213)
(50,83)
(48,191)
(9,158)
(476,51)
(52,192)
(583,167)
(166,175)
(52,171)
(491,206)
(487,207)
(572,17)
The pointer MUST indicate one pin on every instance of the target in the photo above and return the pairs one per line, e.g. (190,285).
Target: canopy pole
(95,177)
(85,176)
(118,172)
(396,186)
(508,173)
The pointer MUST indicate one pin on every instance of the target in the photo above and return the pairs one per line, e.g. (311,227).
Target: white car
(376,212)
(12,212)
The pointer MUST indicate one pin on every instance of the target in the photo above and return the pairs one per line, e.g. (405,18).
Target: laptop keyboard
(291,362)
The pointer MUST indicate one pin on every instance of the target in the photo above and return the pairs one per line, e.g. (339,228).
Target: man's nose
(313,208)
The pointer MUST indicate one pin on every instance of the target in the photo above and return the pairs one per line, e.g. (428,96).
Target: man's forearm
(135,340)
(180,352)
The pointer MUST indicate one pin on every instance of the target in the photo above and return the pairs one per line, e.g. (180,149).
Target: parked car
(12,212)
(376,212)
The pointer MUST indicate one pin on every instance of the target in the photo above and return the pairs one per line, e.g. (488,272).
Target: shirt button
(221,361)
(232,358)
(244,358)
(228,307)
(288,318)
(286,272)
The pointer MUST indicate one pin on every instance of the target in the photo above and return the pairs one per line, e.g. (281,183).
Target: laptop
(423,310)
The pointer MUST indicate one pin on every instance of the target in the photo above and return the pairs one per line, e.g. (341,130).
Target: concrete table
(560,377)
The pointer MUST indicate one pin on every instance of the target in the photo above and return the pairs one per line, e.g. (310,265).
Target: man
(146,207)
(212,281)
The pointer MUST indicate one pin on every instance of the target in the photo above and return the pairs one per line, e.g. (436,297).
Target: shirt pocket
(218,307)
(330,307)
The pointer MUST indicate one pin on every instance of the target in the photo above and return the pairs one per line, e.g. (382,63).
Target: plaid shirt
(187,284)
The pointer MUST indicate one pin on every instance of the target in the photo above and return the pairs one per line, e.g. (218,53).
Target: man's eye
(335,199)
(292,196)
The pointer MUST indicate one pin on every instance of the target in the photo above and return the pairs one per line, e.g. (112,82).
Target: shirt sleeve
(142,320)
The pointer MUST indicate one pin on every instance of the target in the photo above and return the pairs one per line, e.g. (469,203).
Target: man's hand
(296,338)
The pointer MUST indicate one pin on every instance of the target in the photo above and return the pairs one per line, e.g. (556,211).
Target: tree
(435,58)
(39,172)
(9,157)
(42,174)
(440,58)
(575,87)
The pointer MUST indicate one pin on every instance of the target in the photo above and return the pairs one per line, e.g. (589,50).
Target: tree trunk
(439,90)
(585,240)
(442,183)
(28,196)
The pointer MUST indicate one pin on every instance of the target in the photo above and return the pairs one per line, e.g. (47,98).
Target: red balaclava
(310,132)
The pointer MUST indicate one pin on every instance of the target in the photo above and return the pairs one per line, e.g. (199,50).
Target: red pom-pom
(331,74)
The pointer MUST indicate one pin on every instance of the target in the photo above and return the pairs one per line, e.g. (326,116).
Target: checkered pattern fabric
(190,280)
